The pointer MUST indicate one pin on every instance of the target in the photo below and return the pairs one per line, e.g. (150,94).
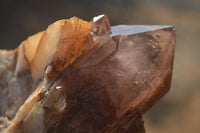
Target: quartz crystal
(85,77)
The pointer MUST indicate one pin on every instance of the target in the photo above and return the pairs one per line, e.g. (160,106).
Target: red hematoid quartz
(85,77)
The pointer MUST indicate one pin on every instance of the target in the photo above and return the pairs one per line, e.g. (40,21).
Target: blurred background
(179,110)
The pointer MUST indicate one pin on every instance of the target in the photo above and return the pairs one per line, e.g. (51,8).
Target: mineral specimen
(85,77)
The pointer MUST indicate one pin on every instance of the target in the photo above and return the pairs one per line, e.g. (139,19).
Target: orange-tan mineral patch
(64,38)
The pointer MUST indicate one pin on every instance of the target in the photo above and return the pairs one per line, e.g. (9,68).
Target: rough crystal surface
(93,78)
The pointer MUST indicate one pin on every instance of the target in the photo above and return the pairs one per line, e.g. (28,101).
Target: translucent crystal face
(85,77)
